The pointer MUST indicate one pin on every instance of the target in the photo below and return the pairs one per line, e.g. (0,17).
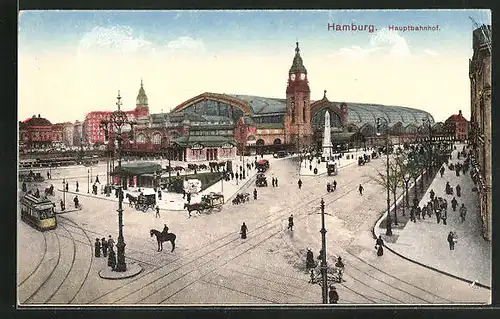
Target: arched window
(157,138)
(260,142)
(304,112)
(141,138)
(277,141)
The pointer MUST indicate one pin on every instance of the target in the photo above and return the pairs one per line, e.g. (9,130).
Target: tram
(38,212)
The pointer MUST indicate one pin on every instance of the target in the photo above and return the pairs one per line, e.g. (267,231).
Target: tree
(414,167)
(406,172)
(393,181)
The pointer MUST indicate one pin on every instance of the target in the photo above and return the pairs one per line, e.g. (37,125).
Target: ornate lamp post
(388,231)
(323,267)
(120,124)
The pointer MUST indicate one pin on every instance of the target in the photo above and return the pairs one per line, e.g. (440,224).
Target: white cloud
(355,52)
(186,43)
(390,39)
(115,38)
(430,52)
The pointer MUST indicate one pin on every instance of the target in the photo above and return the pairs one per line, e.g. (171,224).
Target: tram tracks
(144,282)
(39,263)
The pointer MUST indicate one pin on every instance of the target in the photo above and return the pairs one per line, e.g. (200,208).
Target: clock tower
(298,105)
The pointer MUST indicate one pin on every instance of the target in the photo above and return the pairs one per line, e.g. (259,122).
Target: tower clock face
(292,77)
(302,76)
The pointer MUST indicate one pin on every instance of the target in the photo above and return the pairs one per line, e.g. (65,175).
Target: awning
(135,169)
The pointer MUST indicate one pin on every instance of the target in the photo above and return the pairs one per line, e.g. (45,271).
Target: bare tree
(393,182)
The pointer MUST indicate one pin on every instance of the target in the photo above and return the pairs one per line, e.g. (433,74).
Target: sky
(74,62)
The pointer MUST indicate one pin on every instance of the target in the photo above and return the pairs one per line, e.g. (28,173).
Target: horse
(132,201)
(161,237)
(192,207)
(49,191)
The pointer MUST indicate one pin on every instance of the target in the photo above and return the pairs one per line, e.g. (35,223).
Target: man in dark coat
(454,204)
(188,195)
(272,181)
(276,182)
(111,243)
(333,295)
(157,211)
(159,194)
(112,258)
(67,186)
(254,193)
(299,183)
(77,186)
(290,222)
(334,184)
(24,188)
(379,244)
(37,193)
(459,189)
(360,188)
(104,245)
(243,231)
(97,179)
(76,201)
(451,241)
(62,205)
(97,248)
(441,171)
(309,258)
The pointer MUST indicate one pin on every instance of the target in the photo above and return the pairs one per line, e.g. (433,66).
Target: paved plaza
(211,264)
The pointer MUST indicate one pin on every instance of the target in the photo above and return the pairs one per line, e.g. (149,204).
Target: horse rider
(165,229)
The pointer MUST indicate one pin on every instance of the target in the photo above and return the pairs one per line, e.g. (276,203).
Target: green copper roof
(142,98)
(298,65)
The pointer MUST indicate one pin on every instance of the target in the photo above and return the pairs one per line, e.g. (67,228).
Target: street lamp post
(388,231)
(64,192)
(88,181)
(119,120)
(323,267)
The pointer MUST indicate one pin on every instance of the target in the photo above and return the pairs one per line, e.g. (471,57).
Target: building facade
(480,79)
(39,133)
(93,133)
(459,126)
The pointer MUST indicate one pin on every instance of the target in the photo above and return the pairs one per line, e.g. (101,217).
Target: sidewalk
(343,162)
(425,241)
(174,201)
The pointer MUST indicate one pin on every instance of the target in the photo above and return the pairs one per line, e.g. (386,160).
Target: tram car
(262,165)
(332,168)
(38,212)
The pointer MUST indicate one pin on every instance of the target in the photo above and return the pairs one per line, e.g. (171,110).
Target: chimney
(460,112)
(38,115)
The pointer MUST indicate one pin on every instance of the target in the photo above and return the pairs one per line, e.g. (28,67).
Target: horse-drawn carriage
(142,202)
(261,180)
(207,204)
(241,198)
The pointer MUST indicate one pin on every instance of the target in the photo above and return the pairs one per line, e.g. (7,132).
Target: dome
(37,121)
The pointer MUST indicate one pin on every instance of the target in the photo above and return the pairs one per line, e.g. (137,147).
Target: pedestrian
(328,187)
(309,258)
(273,181)
(236,175)
(48,175)
(24,188)
(232,175)
(97,179)
(76,201)
(188,195)
(459,189)
(451,241)
(333,295)
(62,205)
(77,186)
(37,193)
(290,222)
(111,258)
(360,188)
(412,215)
(243,231)
(111,243)
(157,211)
(432,194)
(444,217)
(159,194)
(276,181)
(418,211)
(454,204)
(255,193)
(104,246)
(67,187)
(463,212)
(424,211)
(378,245)
(334,184)
(441,171)
(299,183)
(438,215)
(97,248)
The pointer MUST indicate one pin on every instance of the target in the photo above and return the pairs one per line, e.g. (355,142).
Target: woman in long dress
(379,245)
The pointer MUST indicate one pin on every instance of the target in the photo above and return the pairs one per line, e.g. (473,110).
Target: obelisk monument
(327,139)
